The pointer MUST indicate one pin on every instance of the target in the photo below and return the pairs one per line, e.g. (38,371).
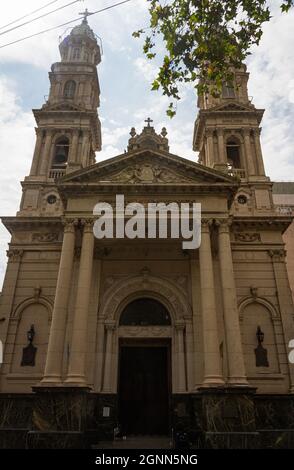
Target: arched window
(145,312)
(69,89)
(61,153)
(228,90)
(233,154)
(76,53)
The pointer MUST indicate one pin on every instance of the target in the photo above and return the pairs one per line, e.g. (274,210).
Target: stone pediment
(146,167)
(61,106)
(232,106)
(148,173)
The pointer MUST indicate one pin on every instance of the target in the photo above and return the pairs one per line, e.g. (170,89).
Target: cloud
(271,84)
(17,140)
(146,69)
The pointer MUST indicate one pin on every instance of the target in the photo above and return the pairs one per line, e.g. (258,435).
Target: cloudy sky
(126,99)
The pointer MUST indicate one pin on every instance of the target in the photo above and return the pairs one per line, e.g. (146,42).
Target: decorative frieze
(45,237)
(145,331)
(247,237)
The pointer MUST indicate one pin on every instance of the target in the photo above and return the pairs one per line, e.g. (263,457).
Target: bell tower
(69,130)
(227,131)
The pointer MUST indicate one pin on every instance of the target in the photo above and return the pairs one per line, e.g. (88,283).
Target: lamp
(259,335)
(31,334)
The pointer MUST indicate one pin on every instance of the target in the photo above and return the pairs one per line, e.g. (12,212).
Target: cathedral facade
(142,334)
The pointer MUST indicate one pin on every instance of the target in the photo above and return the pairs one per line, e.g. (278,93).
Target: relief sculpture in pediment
(146,173)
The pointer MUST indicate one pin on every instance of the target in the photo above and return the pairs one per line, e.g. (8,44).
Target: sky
(126,99)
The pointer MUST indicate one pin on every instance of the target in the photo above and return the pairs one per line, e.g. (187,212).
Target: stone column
(258,150)
(198,356)
(210,159)
(85,148)
(99,356)
(189,354)
(53,367)
(7,300)
(110,327)
(45,156)
(285,303)
(212,363)
(235,358)
(37,152)
(251,171)
(181,357)
(221,146)
(76,372)
(74,147)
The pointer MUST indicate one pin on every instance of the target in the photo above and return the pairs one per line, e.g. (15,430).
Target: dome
(83,29)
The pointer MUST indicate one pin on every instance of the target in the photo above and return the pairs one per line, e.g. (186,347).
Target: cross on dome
(85,14)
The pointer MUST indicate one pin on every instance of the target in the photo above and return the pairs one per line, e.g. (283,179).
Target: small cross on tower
(85,14)
(148,120)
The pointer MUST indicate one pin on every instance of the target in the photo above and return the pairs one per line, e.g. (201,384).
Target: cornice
(85,190)
(30,223)
(269,222)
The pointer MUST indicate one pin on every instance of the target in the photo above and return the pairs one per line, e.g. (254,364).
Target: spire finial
(85,14)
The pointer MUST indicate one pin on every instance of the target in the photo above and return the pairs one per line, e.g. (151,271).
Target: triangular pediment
(233,106)
(147,167)
(61,106)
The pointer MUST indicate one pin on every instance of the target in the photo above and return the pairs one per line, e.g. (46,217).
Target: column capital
(14,255)
(246,131)
(277,255)
(257,131)
(39,131)
(87,225)
(223,225)
(206,224)
(86,132)
(209,132)
(110,325)
(69,225)
(179,325)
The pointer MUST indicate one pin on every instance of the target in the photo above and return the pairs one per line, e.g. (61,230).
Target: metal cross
(148,121)
(85,14)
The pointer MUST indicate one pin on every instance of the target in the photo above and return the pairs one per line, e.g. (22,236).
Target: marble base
(56,440)
(14,438)
(274,411)
(60,409)
(232,440)
(75,418)
(228,410)
(276,438)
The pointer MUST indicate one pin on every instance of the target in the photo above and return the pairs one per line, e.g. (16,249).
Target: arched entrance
(144,385)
